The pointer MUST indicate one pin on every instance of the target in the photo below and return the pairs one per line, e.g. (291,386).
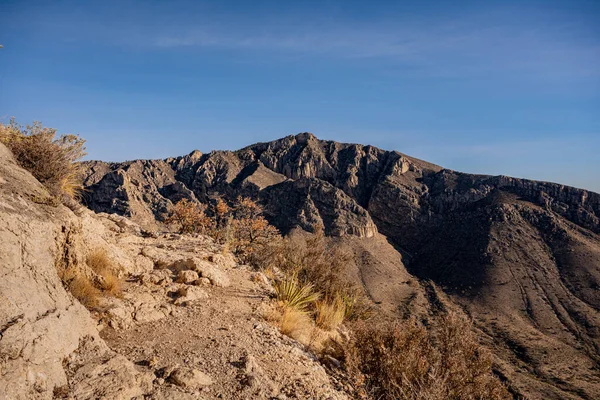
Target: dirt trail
(225,337)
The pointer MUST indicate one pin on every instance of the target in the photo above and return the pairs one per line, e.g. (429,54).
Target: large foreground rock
(41,324)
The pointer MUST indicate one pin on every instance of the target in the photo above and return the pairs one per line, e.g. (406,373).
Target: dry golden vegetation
(329,314)
(313,296)
(405,360)
(313,261)
(293,312)
(81,287)
(106,271)
(189,217)
(51,160)
(101,280)
(241,227)
(296,324)
(401,360)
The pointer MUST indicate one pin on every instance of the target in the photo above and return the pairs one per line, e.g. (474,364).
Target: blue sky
(496,87)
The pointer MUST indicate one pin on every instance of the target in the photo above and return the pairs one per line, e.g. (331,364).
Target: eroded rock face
(313,203)
(41,324)
(345,188)
(139,189)
(97,372)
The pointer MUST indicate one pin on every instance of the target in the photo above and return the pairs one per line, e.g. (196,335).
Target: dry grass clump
(81,288)
(103,280)
(112,285)
(51,160)
(109,281)
(329,314)
(296,324)
(299,325)
(293,311)
(404,360)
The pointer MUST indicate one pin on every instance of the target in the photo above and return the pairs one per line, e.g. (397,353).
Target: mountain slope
(521,257)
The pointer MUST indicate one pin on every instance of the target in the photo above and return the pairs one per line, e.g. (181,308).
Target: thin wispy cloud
(454,47)
(464,44)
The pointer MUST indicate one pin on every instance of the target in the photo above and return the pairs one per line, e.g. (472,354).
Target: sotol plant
(293,294)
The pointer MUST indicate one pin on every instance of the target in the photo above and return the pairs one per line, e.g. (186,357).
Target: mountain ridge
(521,257)
(196,153)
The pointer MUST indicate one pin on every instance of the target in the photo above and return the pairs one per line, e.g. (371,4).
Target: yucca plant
(292,293)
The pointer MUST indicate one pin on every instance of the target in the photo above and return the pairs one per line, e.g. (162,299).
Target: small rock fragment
(189,294)
(187,276)
(202,282)
(190,378)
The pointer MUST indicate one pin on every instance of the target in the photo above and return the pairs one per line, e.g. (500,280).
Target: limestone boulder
(41,324)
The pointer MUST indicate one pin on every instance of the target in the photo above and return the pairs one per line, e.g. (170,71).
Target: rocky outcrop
(141,190)
(311,203)
(41,325)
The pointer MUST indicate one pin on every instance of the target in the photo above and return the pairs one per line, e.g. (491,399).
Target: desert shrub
(250,231)
(223,218)
(311,259)
(222,212)
(329,314)
(356,306)
(51,160)
(291,312)
(312,269)
(189,217)
(81,288)
(404,360)
(466,364)
(109,281)
(241,228)
(314,260)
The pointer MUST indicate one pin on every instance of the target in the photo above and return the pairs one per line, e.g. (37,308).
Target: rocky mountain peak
(306,137)
(381,183)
